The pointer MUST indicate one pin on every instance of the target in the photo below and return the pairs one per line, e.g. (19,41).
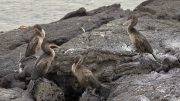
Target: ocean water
(14,13)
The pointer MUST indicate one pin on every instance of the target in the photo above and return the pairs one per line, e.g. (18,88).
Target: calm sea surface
(14,13)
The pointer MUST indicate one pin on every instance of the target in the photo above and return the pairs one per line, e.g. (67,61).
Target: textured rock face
(89,97)
(108,54)
(167,9)
(148,87)
(53,92)
(9,94)
(14,94)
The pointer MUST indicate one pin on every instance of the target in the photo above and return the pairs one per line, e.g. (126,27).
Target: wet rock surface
(108,54)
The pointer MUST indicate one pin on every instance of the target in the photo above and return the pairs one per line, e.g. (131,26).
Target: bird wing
(31,48)
(90,78)
(42,65)
(143,45)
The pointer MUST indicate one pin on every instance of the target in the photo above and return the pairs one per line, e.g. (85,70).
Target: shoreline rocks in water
(109,54)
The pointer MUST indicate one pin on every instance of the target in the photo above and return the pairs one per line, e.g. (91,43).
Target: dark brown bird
(44,61)
(34,46)
(138,40)
(87,79)
(35,41)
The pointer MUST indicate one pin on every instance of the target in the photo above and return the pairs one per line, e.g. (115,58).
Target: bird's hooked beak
(126,22)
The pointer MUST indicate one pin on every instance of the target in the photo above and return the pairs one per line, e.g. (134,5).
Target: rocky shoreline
(110,55)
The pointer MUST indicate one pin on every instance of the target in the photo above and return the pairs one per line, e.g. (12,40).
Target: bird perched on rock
(43,63)
(35,42)
(34,45)
(87,79)
(138,40)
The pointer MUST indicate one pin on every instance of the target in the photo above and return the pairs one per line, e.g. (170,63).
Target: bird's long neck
(74,67)
(41,33)
(49,51)
(77,64)
(131,28)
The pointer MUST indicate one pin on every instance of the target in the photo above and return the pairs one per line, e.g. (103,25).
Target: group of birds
(37,44)
(83,75)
